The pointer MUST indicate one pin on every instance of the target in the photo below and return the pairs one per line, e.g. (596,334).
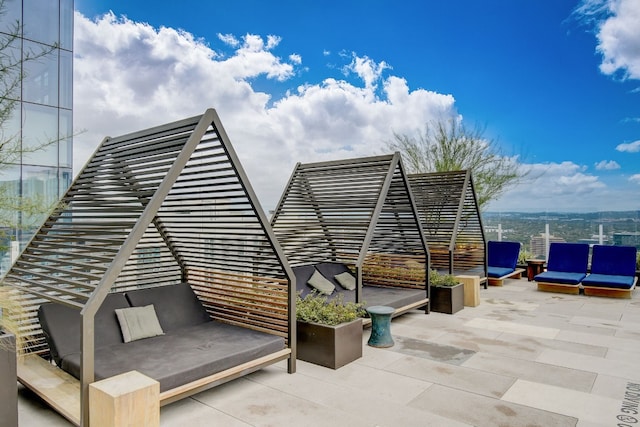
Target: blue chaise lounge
(613,272)
(502,259)
(566,268)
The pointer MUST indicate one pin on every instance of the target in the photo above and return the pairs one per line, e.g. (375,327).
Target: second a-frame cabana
(164,217)
(357,216)
(451,222)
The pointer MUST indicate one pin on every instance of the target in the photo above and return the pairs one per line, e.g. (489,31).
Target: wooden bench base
(499,281)
(559,288)
(61,391)
(599,291)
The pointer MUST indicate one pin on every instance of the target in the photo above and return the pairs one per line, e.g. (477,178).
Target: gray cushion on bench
(176,305)
(61,325)
(183,356)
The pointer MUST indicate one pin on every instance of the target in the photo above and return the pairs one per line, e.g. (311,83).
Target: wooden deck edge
(211,381)
(57,388)
(559,288)
(61,391)
(366,321)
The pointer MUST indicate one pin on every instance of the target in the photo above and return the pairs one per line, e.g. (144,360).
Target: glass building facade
(41,118)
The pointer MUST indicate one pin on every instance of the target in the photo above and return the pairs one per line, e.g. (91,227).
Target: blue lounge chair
(566,268)
(502,259)
(613,272)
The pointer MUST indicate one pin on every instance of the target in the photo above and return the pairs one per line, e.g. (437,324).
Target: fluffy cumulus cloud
(563,186)
(607,165)
(618,33)
(633,147)
(129,76)
(635,178)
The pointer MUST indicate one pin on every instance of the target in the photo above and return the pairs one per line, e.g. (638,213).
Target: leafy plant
(316,308)
(439,279)
(523,256)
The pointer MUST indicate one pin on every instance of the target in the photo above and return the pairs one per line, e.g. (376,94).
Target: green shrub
(316,308)
(438,279)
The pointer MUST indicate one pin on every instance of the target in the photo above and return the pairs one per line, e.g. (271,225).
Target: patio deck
(520,358)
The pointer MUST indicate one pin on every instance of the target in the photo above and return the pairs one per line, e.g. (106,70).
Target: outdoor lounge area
(520,358)
(159,260)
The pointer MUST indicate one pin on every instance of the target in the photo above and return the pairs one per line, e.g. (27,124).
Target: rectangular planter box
(8,381)
(447,299)
(329,346)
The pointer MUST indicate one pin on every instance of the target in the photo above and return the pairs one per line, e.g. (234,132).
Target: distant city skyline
(556,82)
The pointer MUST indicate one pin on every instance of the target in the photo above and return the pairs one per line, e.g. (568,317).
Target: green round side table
(380,326)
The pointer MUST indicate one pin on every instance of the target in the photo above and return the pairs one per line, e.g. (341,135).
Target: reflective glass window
(11,15)
(66,24)
(66,141)
(10,134)
(10,83)
(40,135)
(66,79)
(40,81)
(41,21)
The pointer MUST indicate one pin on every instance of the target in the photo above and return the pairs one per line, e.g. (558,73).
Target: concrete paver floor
(520,358)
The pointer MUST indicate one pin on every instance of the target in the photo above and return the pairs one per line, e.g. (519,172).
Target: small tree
(448,145)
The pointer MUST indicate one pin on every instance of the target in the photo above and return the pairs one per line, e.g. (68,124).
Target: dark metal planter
(330,346)
(447,299)
(8,381)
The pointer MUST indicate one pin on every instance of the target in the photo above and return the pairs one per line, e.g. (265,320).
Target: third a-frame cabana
(451,222)
(357,214)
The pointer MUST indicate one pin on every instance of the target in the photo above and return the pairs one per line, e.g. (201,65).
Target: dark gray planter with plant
(329,332)
(446,294)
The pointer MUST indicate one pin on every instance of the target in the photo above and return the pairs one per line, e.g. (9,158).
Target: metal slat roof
(340,210)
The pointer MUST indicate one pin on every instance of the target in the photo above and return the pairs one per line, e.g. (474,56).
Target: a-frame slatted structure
(359,212)
(162,206)
(451,221)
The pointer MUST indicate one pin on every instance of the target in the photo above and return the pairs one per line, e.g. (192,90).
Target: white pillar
(499,232)
(600,236)
(546,240)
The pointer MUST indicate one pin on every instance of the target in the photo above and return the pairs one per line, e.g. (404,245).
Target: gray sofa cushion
(61,325)
(182,356)
(176,305)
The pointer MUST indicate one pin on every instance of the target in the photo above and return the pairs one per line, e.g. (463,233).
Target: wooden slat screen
(451,220)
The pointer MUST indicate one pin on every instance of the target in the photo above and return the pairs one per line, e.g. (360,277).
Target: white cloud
(607,165)
(618,34)
(129,76)
(561,187)
(635,178)
(633,147)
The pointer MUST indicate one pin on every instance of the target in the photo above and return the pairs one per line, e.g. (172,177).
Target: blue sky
(305,81)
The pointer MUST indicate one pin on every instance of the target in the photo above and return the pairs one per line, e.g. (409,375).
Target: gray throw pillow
(346,280)
(138,322)
(321,284)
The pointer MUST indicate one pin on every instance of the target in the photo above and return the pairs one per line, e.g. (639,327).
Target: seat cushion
(177,306)
(185,355)
(61,325)
(560,277)
(502,255)
(608,281)
(499,271)
(614,260)
(568,257)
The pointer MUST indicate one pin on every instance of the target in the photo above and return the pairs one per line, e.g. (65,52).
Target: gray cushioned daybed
(193,346)
(396,297)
